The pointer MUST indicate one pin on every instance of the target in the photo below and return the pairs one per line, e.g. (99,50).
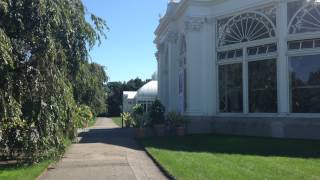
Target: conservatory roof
(148,91)
(130,94)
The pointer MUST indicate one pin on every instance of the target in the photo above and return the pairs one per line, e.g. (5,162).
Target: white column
(209,66)
(283,79)
(172,58)
(195,70)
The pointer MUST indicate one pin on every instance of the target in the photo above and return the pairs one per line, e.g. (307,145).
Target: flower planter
(159,129)
(180,131)
(140,132)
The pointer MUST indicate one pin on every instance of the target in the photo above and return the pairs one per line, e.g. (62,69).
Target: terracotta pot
(180,131)
(140,132)
(159,128)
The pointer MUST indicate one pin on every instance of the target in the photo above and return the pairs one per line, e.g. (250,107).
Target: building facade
(247,67)
(145,96)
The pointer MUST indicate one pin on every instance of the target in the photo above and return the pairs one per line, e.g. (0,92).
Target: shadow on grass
(237,145)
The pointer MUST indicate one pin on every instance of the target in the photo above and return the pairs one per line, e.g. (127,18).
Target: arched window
(246,27)
(247,71)
(303,56)
(306,19)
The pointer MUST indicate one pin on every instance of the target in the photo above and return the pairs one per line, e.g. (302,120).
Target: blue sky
(128,52)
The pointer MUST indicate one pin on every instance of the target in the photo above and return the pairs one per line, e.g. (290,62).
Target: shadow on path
(116,136)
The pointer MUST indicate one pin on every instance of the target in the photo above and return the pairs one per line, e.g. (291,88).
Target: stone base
(278,127)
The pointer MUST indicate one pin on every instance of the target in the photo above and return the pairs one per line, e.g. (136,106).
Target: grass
(117,120)
(24,173)
(27,172)
(230,157)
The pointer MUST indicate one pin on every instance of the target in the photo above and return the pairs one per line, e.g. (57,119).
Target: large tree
(44,48)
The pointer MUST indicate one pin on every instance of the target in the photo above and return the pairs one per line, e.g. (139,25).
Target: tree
(44,47)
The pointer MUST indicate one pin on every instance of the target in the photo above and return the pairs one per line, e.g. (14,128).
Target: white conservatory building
(146,95)
(247,67)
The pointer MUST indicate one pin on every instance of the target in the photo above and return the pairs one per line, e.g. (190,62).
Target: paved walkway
(104,152)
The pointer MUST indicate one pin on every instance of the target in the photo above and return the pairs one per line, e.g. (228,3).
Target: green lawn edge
(30,172)
(199,157)
(117,120)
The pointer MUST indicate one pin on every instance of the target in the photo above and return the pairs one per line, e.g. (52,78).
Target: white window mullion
(245,82)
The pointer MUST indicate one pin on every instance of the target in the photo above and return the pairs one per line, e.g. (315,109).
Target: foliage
(83,116)
(89,87)
(114,101)
(157,111)
(45,74)
(140,121)
(137,109)
(176,119)
(127,119)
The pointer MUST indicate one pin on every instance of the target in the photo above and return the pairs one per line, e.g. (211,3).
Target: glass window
(305,84)
(231,54)
(294,45)
(307,44)
(317,43)
(272,48)
(263,86)
(230,88)
(252,51)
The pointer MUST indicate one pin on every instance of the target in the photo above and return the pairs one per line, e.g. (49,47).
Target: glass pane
(305,84)
(230,88)
(263,86)
(317,43)
(272,48)
(239,53)
(307,44)
(231,54)
(252,51)
(222,55)
(262,50)
(294,45)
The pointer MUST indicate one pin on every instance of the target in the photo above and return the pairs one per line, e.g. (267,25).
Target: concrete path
(104,152)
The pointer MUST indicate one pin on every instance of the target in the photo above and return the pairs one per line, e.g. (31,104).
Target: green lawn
(24,173)
(117,120)
(230,157)
(28,172)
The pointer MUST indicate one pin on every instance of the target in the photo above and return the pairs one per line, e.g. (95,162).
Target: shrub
(176,119)
(127,119)
(157,111)
(138,109)
(83,116)
(140,121)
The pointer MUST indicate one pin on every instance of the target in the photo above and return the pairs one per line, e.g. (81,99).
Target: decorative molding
(193,24)
(172,37)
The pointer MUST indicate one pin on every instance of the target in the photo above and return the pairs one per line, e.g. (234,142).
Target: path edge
(165,172)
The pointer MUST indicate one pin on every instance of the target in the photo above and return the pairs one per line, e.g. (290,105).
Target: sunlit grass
(229,157)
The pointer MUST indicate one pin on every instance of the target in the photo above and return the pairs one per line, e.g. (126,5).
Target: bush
(140,121)
(83,116)
(157,111)
(138,109)
(176,119)
(127,119)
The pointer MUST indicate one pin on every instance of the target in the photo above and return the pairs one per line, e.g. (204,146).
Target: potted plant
(157,111)
(127,119)
(140,122)
(178,122)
